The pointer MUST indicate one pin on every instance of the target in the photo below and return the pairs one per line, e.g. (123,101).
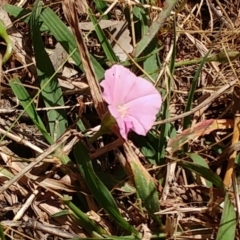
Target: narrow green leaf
(111,56)
(187,120)
(204,172)
(17,12)
(146,146)
(88,224)
(50,88)
(102,7)
(228,221)
(154,28)
(65,37)
(61,213)
(6,173)
(200,161)
(60,31)
(146,189)
(174,53)
(98,189)
(2,236)
(167,130)
(27,103)
(4,35)
(151,64)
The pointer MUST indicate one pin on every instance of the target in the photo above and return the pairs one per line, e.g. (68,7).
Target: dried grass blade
(47,152)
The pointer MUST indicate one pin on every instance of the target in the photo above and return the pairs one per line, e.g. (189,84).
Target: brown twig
(37,160)
(48,229)
(201,105)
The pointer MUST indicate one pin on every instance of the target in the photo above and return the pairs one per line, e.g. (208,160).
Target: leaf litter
(189,208)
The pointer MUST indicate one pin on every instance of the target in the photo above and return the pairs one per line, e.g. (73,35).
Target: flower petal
(142,112)
(141,89)
(139,99)
(124,125)
(118,82)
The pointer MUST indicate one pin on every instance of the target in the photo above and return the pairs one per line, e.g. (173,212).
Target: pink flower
(132,101)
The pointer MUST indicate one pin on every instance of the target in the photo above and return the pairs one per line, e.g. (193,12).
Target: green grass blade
(60,31)
(154,28)
(204,172)
(50,88)
(187,120)
(148,146)
(200,161)
(165,132)
(2,237)
(174,52)
(89,225)
(146,189)
(101,6)
(4,35)
(98,189)
(65,37)
(111,56)
(27,104)
(228,221)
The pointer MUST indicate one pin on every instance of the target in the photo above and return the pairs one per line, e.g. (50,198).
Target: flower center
(122,110)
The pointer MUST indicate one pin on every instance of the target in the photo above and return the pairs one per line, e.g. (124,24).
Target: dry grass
(27,205)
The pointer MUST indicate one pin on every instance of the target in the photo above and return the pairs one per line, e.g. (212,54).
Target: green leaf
(60,31)
(98,189)
(144,183)
(151,64)
(2,236)
(167,130)
(204,172)
(200,161)
(187,120)
(83,220)
(228,221)
(101,6)
(146,189)
(61,213)
(111,56)
(50,88)
(4,35)
(154,28)
(147,145)
(65,37)
(27,103)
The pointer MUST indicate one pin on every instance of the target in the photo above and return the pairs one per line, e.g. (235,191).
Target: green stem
(6,38)
(220,57)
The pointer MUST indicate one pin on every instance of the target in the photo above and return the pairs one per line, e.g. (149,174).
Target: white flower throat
(122,110)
